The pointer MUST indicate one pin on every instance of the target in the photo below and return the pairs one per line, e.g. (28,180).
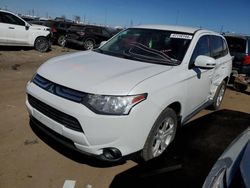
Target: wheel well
(37,38)
(93,40)
(226,79)
(176,106)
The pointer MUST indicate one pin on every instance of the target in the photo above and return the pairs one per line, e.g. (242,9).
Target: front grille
(58,116)
(52,134)
(59,90)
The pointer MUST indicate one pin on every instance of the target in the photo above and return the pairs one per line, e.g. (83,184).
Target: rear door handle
(11,28)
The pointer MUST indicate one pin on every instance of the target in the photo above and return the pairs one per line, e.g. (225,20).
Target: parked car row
(15,31)
(87,36)
(58,28)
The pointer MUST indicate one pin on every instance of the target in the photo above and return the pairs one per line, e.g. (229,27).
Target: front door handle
(11,28)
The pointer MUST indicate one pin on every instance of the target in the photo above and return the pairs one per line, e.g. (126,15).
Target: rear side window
(236,45)
(217,47)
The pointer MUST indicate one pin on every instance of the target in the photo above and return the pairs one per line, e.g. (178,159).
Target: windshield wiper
(98,50)
(162,57)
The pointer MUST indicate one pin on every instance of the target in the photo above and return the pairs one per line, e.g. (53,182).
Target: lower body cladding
(106,137)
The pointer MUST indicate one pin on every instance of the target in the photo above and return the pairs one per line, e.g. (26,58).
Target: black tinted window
(105,33)
(89,30)
(201,48)
(217,46)
(76,27)
(236,45)
(97,30)
(10,19)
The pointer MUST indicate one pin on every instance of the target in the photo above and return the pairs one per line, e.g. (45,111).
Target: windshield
(148,45)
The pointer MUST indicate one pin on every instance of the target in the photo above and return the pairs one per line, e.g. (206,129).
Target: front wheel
(218,96)
(42,44)
(161,135)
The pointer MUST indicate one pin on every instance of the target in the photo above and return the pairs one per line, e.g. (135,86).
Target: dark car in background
(58,29)
(239,46)
(89,36)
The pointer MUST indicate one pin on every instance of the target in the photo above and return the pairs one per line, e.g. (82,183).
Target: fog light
(112,154)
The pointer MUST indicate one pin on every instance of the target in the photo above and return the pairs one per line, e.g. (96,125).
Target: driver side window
(201,48)
(11,19)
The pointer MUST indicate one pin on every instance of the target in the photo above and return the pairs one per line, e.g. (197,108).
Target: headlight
(113,105)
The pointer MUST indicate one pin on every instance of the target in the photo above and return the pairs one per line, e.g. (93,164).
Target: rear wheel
(240,87)
(89,44)
(161,135)
(219,96)
(61,41)
(42,44)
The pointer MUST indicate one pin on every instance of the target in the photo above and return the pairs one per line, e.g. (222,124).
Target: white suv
(14,31)
(131,94)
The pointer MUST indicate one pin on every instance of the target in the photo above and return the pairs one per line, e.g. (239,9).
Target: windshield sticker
(181,36)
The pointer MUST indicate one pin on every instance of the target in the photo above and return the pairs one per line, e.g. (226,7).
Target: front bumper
(101,133)
(113,157)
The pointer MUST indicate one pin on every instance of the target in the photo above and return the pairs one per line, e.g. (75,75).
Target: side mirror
(205,62)
(102,43)
(27,26)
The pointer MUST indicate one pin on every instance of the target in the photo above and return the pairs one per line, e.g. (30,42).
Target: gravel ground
(27,161)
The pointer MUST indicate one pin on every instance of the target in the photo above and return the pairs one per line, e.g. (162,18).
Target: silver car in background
(232,169)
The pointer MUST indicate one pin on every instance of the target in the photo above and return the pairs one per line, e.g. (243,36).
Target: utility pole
(221,28)
(105,17)
(131,23)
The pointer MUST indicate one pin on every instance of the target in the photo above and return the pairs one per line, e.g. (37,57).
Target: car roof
(184,29)
(236,35)
(7,12)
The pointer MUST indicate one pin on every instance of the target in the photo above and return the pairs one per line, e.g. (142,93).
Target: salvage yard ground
(29,160)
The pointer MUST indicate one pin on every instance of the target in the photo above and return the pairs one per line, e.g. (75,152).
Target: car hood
(39,27)
(97,73)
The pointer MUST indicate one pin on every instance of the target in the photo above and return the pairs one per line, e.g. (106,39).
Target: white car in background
(131,94)
(14,31)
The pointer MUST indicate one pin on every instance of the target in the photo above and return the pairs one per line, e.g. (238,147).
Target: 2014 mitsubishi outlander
(132,93)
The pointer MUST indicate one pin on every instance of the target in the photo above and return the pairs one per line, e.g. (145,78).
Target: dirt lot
(28,162)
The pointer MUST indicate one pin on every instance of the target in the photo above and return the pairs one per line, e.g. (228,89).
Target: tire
(42,44)
(89,44)
(240,87)
(161,135)
(218,96)
(61,41)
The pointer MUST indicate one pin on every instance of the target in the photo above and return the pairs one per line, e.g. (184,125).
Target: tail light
(53,30)
(246,60)
(80,33)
